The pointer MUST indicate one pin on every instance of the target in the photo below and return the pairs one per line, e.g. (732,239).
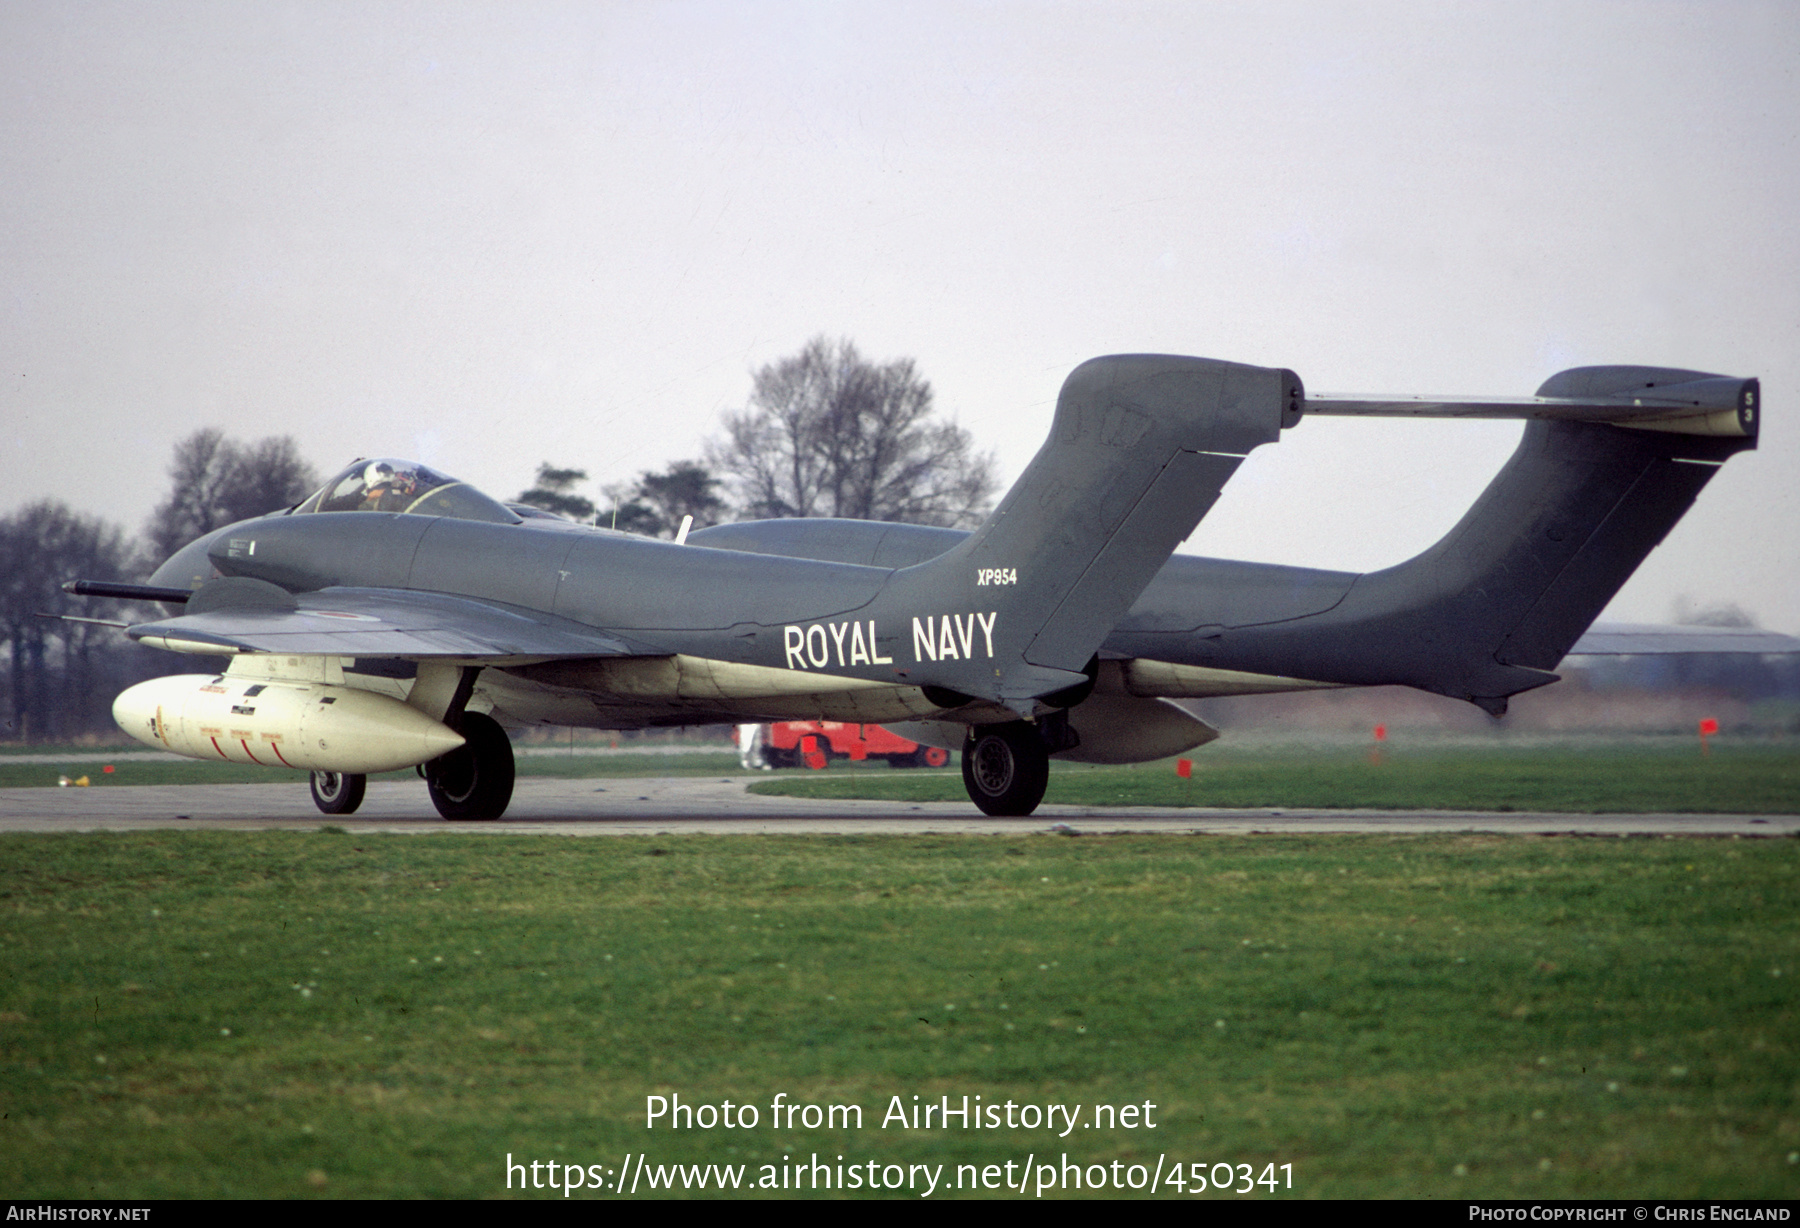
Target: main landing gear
(474,781)
(1006,767)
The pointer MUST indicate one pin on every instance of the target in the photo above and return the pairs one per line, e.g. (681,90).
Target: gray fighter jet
(400,618)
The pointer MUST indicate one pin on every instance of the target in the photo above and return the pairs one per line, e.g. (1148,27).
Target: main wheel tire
(474,781)
(338,792)
(1005,768)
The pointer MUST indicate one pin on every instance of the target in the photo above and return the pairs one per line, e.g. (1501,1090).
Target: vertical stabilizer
(1139,450)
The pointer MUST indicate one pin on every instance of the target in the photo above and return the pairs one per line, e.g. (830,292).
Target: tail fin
(1668,479)
(1138,452)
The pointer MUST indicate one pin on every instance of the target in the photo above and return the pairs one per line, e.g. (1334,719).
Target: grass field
(291,1014)
(1618,778)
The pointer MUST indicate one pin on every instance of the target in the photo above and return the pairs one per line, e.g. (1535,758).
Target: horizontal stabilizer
(1647,398)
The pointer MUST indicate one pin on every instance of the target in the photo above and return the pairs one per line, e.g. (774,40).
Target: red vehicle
(814,743)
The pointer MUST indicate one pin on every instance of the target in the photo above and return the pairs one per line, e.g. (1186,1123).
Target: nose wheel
(1006,768)
(338,792)
(474,781)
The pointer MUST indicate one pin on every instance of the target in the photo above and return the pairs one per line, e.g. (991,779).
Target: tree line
(825,432)
(61,676)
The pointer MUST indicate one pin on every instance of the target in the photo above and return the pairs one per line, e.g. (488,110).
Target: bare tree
(656,502)
(61,675)
(217,481)
(828,433)
(553,494)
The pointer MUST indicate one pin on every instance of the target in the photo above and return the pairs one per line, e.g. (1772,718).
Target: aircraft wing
(1628,639)
(378,622)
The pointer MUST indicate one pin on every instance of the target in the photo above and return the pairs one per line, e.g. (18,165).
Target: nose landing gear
(338,792)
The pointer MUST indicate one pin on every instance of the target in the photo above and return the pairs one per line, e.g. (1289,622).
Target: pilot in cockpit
(388,489)
(389,485)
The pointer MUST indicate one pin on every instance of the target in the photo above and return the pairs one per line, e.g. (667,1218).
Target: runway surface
(620,806)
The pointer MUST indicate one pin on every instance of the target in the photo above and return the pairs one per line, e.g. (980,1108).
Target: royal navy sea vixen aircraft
(400,618)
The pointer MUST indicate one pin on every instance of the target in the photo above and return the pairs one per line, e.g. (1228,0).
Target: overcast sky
(490,235)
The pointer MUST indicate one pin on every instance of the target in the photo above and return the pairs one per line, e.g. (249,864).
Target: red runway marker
(1708,727)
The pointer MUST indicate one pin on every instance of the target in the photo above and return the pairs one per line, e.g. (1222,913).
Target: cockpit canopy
(388,485)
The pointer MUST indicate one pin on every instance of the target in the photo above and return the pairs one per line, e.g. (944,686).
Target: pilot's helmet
(378,474)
